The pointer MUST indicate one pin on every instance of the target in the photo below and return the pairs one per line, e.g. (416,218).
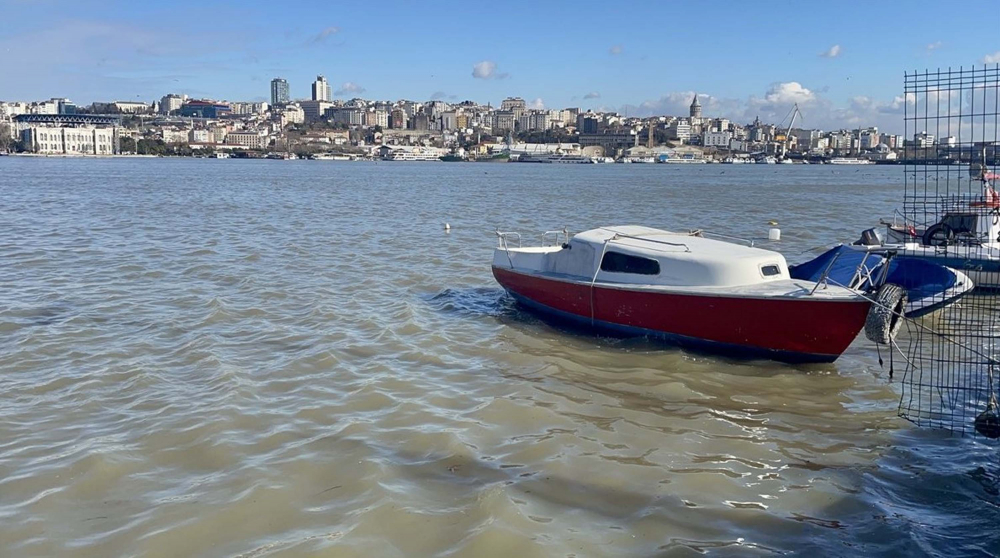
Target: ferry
(682,160)
(849,161)
(555,158)
(399,155)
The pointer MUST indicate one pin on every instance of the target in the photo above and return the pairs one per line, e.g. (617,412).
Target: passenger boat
(554,158)
(684,288)
(849,161)
(966,236)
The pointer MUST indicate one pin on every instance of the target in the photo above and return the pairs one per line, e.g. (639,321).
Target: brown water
(269,358)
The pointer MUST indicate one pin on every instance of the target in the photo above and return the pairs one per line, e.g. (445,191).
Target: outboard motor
(869,237)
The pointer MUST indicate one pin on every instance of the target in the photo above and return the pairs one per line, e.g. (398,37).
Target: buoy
(447,227)
(774,233)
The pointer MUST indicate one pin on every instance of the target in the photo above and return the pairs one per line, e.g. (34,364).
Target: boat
(768,160)
(682,160)
(451,158)
(929,286)
(400,155)
(602,160)
(966,237)
(849,161)
(556,158)
(683,288)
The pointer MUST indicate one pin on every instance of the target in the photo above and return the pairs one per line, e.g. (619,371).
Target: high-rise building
(171,103)
(320,89)
(279,91)
(513,104)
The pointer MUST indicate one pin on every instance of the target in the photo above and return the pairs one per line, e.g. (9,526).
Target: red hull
(802,329)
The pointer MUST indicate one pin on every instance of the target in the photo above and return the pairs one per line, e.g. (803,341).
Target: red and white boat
(683,288)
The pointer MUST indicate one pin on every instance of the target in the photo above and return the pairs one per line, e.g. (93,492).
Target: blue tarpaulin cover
(920,278)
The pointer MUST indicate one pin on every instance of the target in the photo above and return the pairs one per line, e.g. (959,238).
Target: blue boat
(929,286)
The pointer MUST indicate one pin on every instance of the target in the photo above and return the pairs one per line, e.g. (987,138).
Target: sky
(842,62)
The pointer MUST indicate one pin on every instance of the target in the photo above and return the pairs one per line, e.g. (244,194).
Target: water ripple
(252,358)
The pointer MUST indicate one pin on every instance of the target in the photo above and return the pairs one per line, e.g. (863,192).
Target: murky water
(257,358)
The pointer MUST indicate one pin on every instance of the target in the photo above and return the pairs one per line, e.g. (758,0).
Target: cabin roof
(658,243)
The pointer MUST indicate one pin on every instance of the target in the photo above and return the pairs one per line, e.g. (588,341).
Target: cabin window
(770,270)
(623,263)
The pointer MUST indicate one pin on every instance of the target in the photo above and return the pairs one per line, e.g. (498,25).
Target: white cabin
(639,255)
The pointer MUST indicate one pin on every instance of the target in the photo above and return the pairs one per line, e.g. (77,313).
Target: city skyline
(843,74)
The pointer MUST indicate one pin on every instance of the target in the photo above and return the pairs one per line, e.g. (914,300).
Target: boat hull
(784,329)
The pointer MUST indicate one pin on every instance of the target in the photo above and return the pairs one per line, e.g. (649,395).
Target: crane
(784,139)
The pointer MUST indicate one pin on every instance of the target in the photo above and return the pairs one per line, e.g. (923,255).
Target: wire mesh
(952,216)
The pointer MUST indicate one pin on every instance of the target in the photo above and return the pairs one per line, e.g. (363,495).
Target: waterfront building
(320,90)
(205,109)
(279,91)
(397,119)
(251,139)
(350,116)
(611,140)
(868,138)
(315,110)
(12,109)
(170,104)
(679,130)
(504,121)
(923,139)
(515,105)
(419,122)
(377,117)
(695,109)
(449,120)
(716,139)
(806,139)
(45,107)
(59,140)
(173,135)
(219,133)
(291,114)
(893,141)
(201,136)
(130,107)
(248,109)
(588,123)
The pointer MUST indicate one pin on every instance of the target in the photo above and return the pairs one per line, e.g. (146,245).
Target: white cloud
(615,50)
(992,58)
(324,35)
(537,104)
(592,95)
(934,46)
(349,87)
(788,93)
(832,52)
(487,69)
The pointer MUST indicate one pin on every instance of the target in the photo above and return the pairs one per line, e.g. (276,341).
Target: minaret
(695,107)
